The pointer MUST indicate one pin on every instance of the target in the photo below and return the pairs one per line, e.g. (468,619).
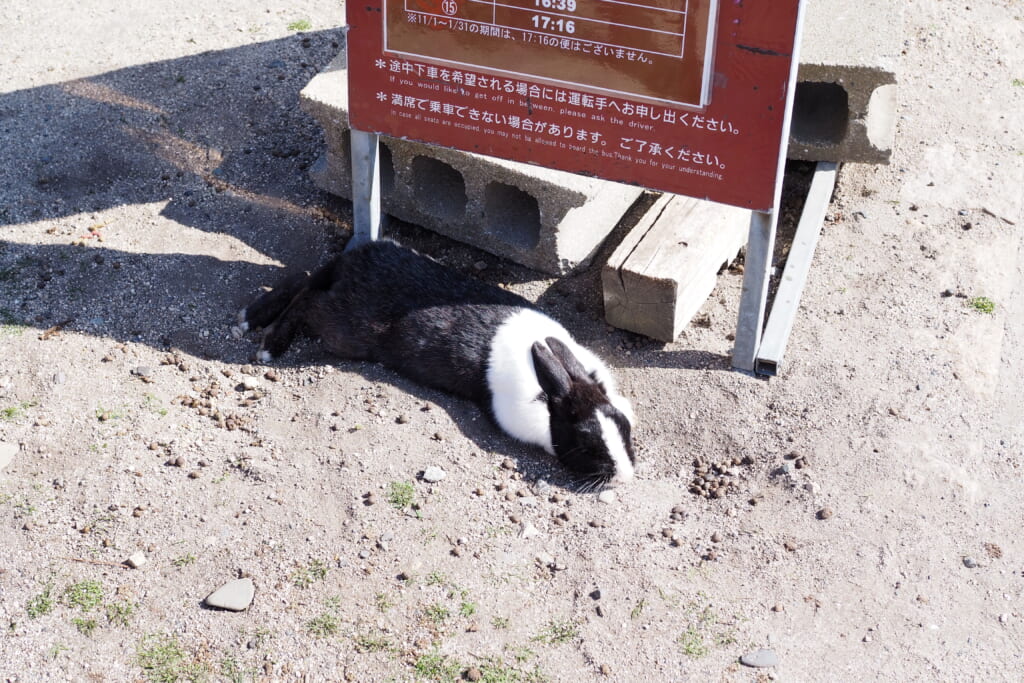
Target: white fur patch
(240,319)
(513,381)
(264,356)
(616,446)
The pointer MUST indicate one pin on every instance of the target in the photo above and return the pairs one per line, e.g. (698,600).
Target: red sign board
(684,96)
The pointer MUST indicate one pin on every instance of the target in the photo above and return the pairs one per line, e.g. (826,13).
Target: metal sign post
(690,97)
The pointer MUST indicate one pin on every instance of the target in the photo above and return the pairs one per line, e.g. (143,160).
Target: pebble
(789,545)
(528,531)
(249,383)
(825,513)
(235,596)
(474,674)
(142,371)
(970,562)
(272,375)
(434,474)
(606,497)
(403,419)
(716,537)
(606,670)
(364,554)
(760,658)
(811,487)
(137,560)
(7,453)
(507,464)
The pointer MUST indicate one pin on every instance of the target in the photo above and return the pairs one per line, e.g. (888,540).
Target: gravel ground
(154,176)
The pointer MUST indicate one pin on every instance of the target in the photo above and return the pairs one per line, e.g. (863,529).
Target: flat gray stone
(235,596)
(760,658)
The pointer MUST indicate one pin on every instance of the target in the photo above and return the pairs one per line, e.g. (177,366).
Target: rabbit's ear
(568,361)
(553,378)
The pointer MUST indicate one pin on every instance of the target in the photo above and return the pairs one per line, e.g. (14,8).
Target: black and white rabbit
(386,303)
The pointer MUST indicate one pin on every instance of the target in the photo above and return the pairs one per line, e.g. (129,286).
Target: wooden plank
(664,270)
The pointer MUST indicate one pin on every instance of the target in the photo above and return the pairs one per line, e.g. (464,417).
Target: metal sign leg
(366,213)
(753,300)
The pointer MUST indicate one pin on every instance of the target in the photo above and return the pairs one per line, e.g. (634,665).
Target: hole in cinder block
(821,113)
(440,189)
(511,215)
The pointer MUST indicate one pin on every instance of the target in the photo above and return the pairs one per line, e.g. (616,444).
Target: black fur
(438,330)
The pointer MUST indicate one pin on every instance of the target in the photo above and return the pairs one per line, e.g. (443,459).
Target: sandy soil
(154,176)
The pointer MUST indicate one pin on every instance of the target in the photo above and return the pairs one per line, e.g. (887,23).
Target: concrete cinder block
(665,269)
(844,107)
(549,220)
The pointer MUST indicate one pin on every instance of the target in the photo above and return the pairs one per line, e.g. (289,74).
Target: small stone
(370,499)
(235,596)
(760,658)
(473,674)
(790,546)
(679,510)
(1004,617)
(249,383)
(607,497)
(136,560)
(599,611)
(970,562)
(825,513)
(194,474)
(514,518)
(434,474)
(867,639)
(364,554)
(28,526)
(142,371)
(777,607)
(507,464)
(137,512)
(716,537)
(7,453)
(811,487)
(403,419)
(606,670)
(272,375)
(544,559)
(529,531)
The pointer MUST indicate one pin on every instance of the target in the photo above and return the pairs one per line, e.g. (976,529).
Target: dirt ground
(153,175)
